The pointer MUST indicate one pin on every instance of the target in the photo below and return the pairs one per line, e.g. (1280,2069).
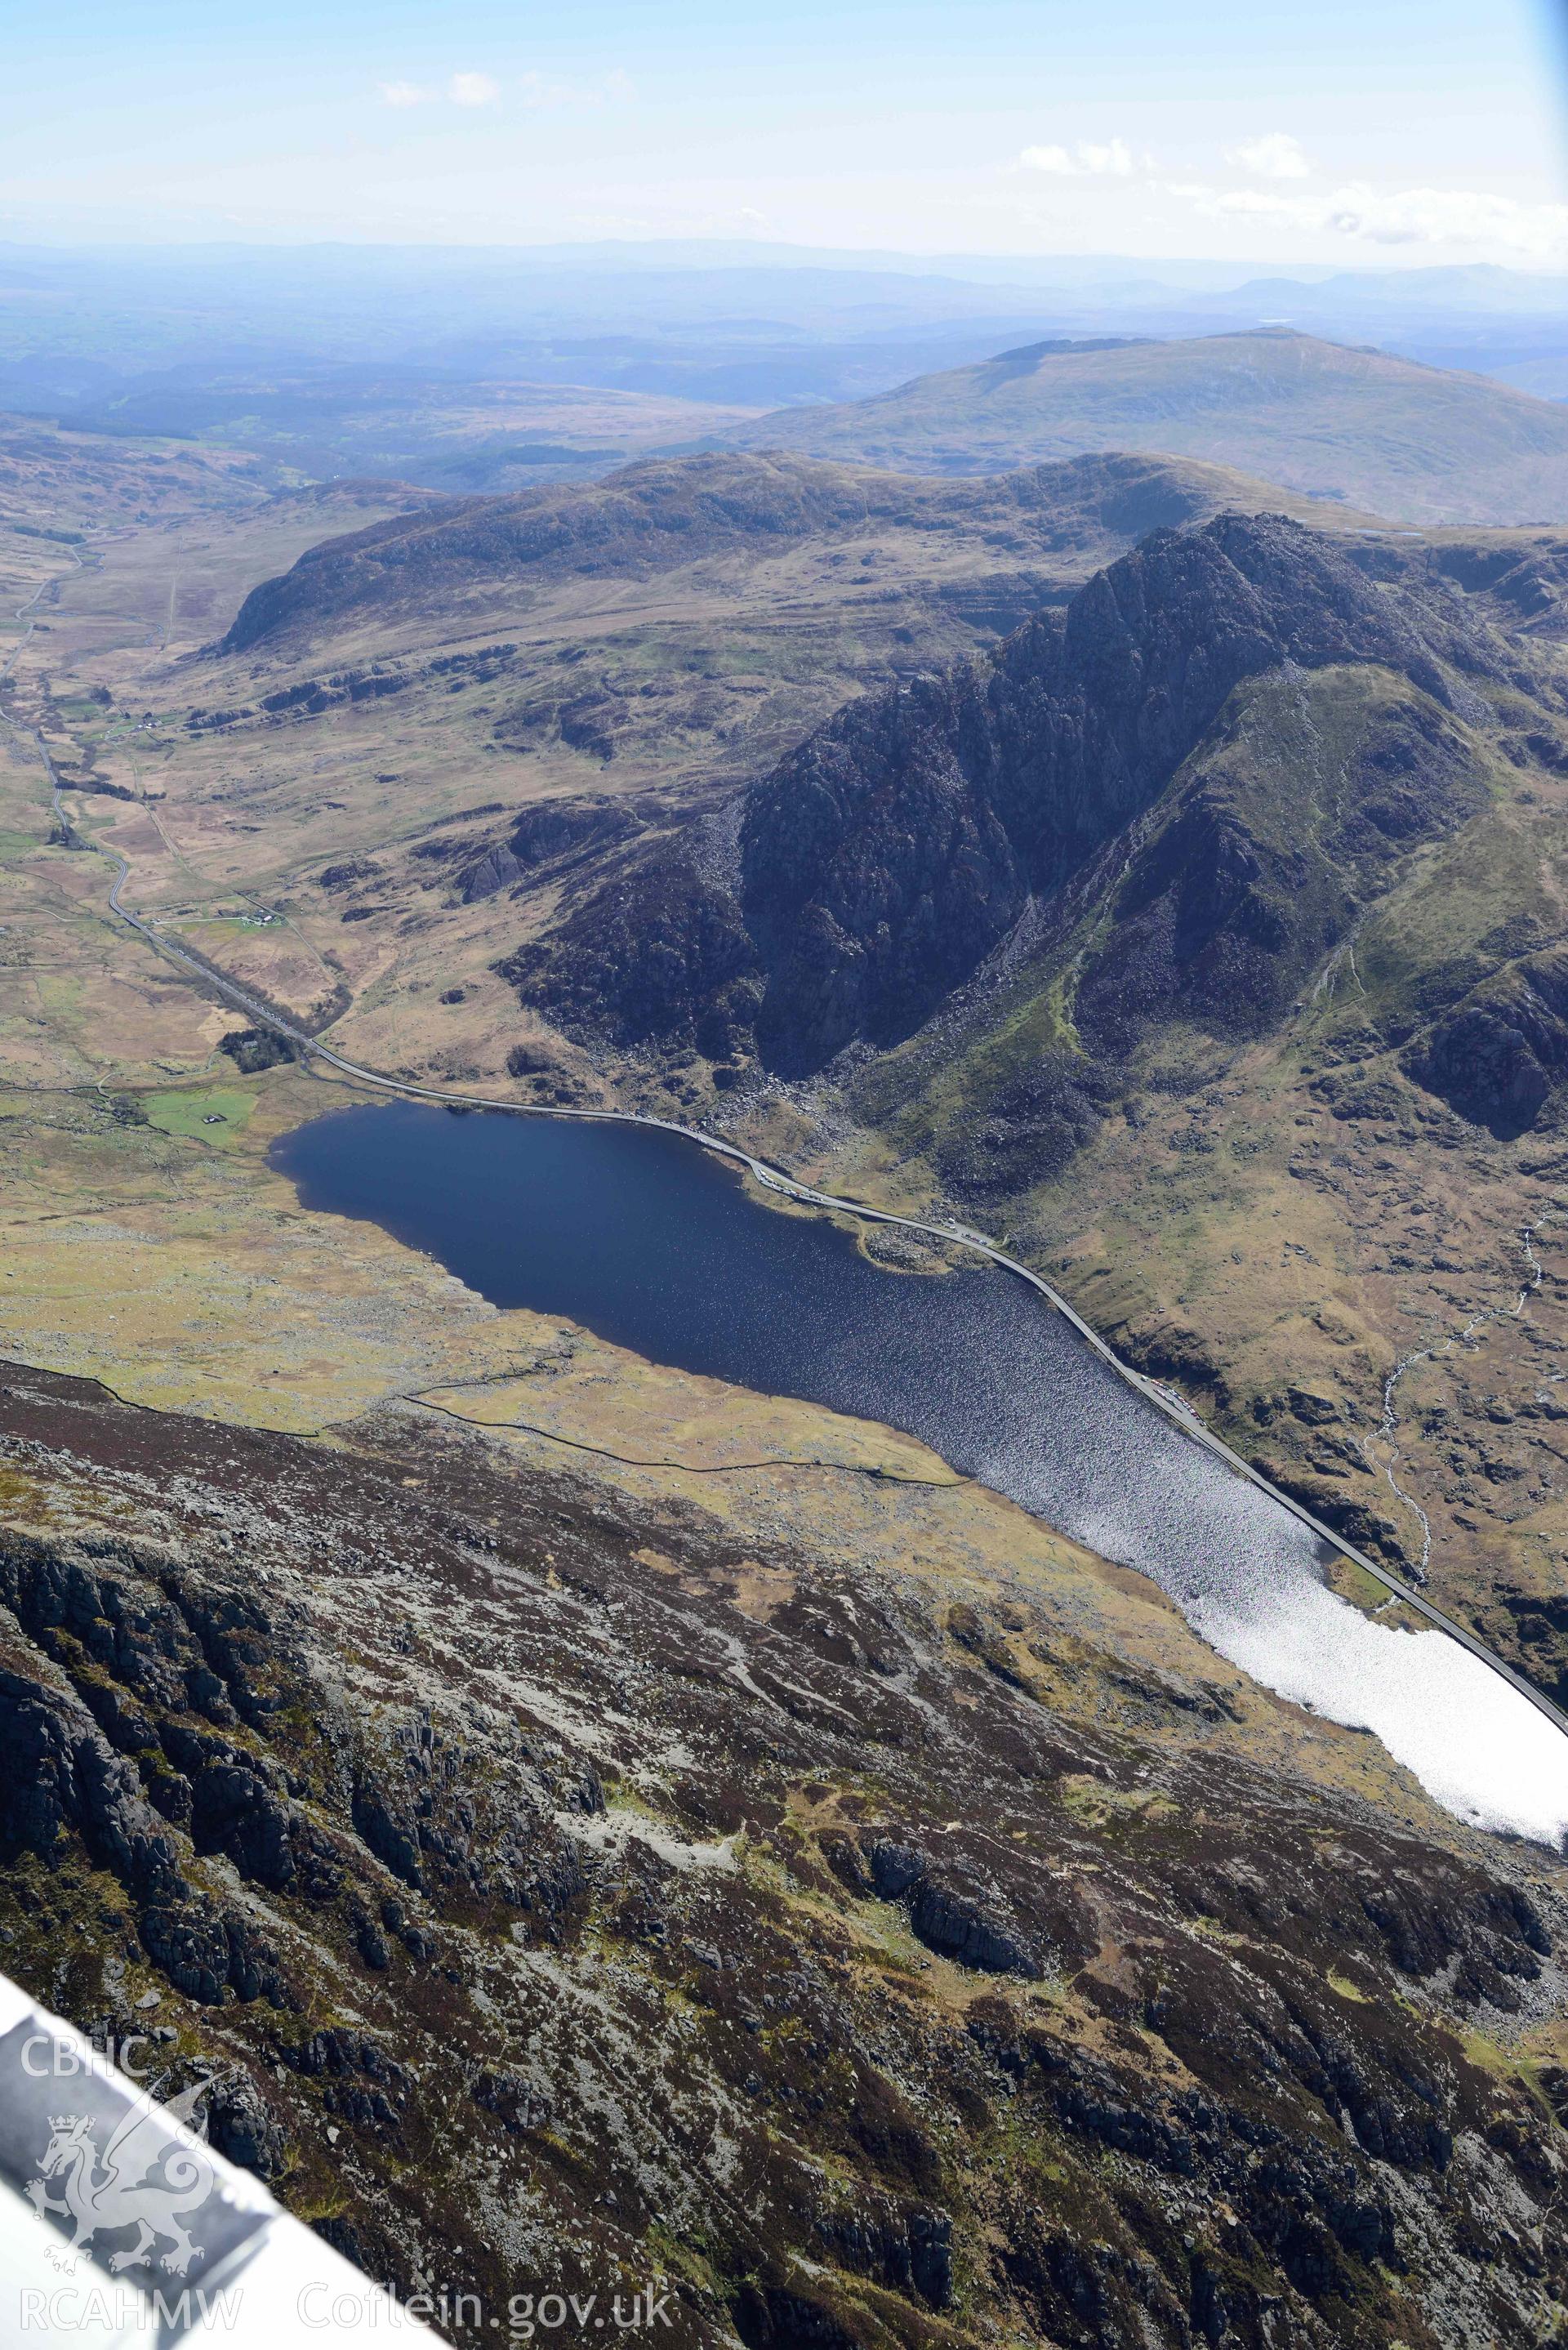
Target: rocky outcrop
(1502,1050)
(461,1839)
(661,952)
(61,1779)
(895,849)
(958,1919)
(881,862)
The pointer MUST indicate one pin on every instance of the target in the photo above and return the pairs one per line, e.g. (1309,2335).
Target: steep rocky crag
(542,1894)
(881,862)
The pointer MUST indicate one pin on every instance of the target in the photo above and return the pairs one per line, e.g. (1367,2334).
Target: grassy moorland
(1418,443)
(362,743)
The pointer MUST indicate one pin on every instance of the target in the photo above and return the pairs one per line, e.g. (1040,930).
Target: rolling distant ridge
(1421,443)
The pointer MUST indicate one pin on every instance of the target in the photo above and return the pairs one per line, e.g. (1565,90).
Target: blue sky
(1371,135)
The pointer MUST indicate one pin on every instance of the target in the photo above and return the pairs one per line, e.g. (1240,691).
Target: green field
(215,1114)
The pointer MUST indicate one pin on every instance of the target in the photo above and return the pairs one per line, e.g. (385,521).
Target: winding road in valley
(265,1015)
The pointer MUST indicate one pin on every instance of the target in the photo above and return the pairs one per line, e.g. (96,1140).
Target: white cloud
(538,91)
(1219,203)
(1275,156)
(1433,217)
(462,89)
(473,89)
(1453,216)
(1115,159)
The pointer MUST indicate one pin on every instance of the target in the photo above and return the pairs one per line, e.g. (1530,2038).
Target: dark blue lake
(659,1246)
(655,1244)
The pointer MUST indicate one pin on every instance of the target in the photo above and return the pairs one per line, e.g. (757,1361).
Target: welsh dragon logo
(121,2182)
(141,2178)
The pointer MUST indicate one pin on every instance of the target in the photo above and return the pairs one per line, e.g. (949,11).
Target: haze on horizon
(1408,135)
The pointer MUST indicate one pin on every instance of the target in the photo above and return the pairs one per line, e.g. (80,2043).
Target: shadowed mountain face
(1423,443)
(876,868)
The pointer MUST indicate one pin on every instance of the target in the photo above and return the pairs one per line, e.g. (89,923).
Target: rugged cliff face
(880,863)
(917,830)
(543,1891)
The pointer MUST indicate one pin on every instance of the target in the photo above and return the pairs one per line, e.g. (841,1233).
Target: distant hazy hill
(1417,442)
(60,483)
(664,514)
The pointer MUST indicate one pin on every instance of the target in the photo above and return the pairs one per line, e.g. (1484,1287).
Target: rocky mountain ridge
(662,514)
(880,864)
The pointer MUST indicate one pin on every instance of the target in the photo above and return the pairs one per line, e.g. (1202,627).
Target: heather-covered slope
(553,1878)
(661,515)
(1423,443)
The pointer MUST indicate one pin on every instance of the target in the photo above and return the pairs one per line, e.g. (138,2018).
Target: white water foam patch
(1476,1746)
